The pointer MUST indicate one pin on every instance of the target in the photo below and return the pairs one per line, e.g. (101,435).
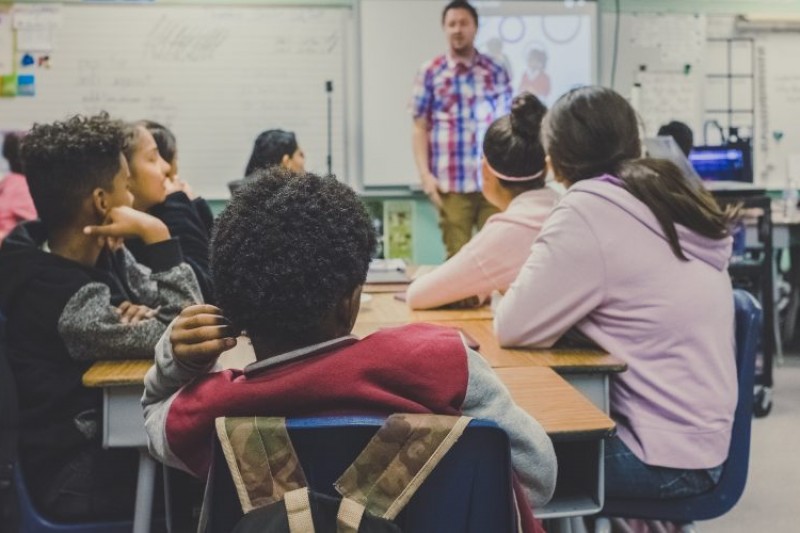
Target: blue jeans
(627,477)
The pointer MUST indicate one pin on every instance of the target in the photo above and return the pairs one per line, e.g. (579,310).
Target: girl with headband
(513,180)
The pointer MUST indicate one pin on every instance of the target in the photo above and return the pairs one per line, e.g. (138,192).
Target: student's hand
(176,184)
(133,314)
(124,222)
(114,243)
(185,187)
(200,334)
(430,185)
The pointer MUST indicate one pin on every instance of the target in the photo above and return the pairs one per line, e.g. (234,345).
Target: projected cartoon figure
(494,47)
(535,78)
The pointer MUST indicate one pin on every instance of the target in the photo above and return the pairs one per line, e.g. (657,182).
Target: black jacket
(190,222)
(60,319)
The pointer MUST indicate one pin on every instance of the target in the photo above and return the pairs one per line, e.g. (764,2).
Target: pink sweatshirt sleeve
(19,199)
(562,281)
(490,261)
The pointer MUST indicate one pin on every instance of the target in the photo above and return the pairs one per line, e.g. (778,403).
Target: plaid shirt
(459,101)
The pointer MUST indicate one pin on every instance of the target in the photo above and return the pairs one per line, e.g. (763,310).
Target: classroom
(399,265)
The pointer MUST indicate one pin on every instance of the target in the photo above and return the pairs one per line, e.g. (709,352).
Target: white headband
(511,178)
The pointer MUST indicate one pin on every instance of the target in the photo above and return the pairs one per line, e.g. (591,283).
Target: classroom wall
(428,248)
(427,242)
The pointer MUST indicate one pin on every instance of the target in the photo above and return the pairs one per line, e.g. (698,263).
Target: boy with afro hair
(288,258)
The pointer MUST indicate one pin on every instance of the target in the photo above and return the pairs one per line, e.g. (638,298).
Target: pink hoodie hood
(715,252)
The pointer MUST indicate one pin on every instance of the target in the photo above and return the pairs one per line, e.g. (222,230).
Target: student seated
(289,256)
(635,258)
(682,134)
(513,181)
(16,204)
(273,147)
(167,146)
(72,294)
(168,199)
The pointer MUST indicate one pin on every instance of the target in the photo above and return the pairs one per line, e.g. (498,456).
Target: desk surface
(384,308)
(563,411)
(562,360)
(412,270)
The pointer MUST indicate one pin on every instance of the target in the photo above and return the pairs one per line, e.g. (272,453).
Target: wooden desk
(588,371)
(413,272)
(575,425)
(539,391)
(123,425)
(384,308)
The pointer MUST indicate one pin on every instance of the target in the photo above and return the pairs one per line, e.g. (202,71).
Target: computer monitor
(722,163)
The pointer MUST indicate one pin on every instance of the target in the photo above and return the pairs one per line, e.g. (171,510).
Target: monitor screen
(720,163)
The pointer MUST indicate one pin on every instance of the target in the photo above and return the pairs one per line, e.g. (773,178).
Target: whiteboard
(217,76)
(777,143)
(398,36)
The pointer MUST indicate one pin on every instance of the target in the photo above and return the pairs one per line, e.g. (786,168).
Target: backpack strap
(262,461)
(394,464)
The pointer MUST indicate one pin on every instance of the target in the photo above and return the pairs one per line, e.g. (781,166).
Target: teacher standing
(456,97)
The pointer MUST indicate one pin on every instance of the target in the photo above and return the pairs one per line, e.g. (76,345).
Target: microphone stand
(329,91)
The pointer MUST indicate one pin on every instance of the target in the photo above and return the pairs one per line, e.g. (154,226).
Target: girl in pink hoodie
(513,180)
(634,257)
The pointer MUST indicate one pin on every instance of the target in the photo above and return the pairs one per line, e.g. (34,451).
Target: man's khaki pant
(460,213)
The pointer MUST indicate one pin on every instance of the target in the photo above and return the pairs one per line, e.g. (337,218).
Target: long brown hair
(593,131)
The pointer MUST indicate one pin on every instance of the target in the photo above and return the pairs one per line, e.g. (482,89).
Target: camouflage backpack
(274,494)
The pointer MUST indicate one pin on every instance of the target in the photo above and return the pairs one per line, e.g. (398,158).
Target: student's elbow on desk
(418,295)
(513,335)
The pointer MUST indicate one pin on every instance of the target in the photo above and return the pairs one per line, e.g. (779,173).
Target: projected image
(544,54)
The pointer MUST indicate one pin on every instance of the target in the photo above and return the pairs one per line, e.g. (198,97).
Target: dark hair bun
(527,112)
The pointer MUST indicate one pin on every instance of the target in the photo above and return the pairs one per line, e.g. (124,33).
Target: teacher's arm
(419,142)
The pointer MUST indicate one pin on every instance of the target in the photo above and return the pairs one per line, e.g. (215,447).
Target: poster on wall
(546,55)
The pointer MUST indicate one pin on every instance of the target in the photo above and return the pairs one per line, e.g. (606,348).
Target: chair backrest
(724,496)
(469,491)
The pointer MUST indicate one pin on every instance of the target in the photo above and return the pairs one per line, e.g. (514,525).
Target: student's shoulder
(416,337)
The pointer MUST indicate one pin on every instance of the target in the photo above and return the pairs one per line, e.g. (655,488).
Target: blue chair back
(26,518)
(469,491)
(33,522)
(724,496)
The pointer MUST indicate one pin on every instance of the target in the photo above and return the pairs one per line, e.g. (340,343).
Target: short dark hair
(682,134)
(11,151)
(460,4)
(269,148)
(512,146)
(591,131)
(286,250)
(65,161)
(165,140)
